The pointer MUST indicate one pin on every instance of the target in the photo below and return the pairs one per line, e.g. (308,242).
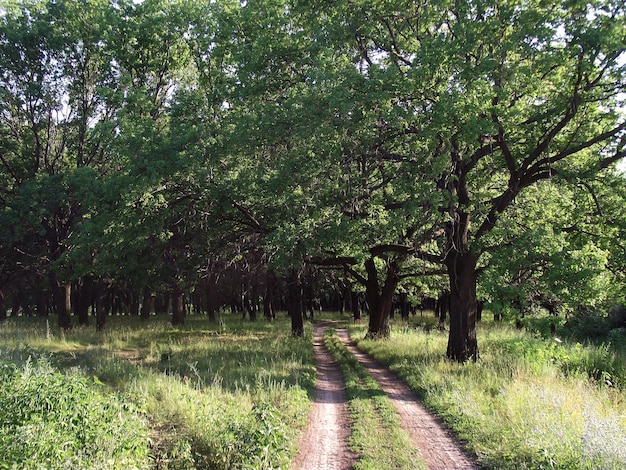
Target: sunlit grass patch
(227,395)
(528,402)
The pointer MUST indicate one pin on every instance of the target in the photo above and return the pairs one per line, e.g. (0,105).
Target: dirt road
(436,445)
(324,445)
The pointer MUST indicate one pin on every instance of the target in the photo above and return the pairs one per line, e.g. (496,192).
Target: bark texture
(462,343)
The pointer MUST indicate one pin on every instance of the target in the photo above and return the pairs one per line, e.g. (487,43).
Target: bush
(587,323)
(593,324)
(617,317)
(56,421)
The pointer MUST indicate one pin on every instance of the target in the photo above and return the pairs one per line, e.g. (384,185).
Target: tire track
(325,442)
(429,434)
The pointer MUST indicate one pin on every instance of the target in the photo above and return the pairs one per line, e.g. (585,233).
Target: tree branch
(338,261)
(594,196)
(436,272)
(582,146)
(430,257)
(253,221)
(392,248)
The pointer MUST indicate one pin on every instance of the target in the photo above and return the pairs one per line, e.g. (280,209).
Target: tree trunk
(443,305)
(101,294)
(147,304)
(211,297)
(162,303)
(62,302)
(133,296)
(404,306)
(197,301)
(116,303)
(16,304)
(3,307)
(386,303)
(294,293)
(341,302)
(254,300)
(380,300)
(462,343)
(269,312)
(42,303)
(268,308)
(355,299)
(372,298)
(84,294)
(178,306)
(249,301)
(309,295)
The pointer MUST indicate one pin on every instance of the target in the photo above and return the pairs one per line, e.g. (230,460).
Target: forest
(203,161)
(278,155)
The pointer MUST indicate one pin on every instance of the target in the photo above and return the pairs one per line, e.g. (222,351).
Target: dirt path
(324,445)
(437,447)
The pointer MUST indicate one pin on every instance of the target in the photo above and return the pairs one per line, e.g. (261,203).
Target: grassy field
(230,395)
(236,394)
(528,403)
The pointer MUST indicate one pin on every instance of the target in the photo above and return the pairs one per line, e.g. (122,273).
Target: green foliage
(616,317)
(141,140)
(587,322)
(540,254)
(63,421)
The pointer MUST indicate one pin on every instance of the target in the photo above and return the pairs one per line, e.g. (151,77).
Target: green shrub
(617,317)
(587,323)
(66,421)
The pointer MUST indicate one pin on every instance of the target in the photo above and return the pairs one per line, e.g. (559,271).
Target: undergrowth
(223,396)
(53,420)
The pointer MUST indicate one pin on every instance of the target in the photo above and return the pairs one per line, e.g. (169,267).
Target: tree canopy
(474,144)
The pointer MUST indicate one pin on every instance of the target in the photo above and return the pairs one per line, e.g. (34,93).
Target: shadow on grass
(234,355)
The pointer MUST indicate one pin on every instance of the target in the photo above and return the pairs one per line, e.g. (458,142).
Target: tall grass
(236,394)
(59,421)
(527,403)
(229,395)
